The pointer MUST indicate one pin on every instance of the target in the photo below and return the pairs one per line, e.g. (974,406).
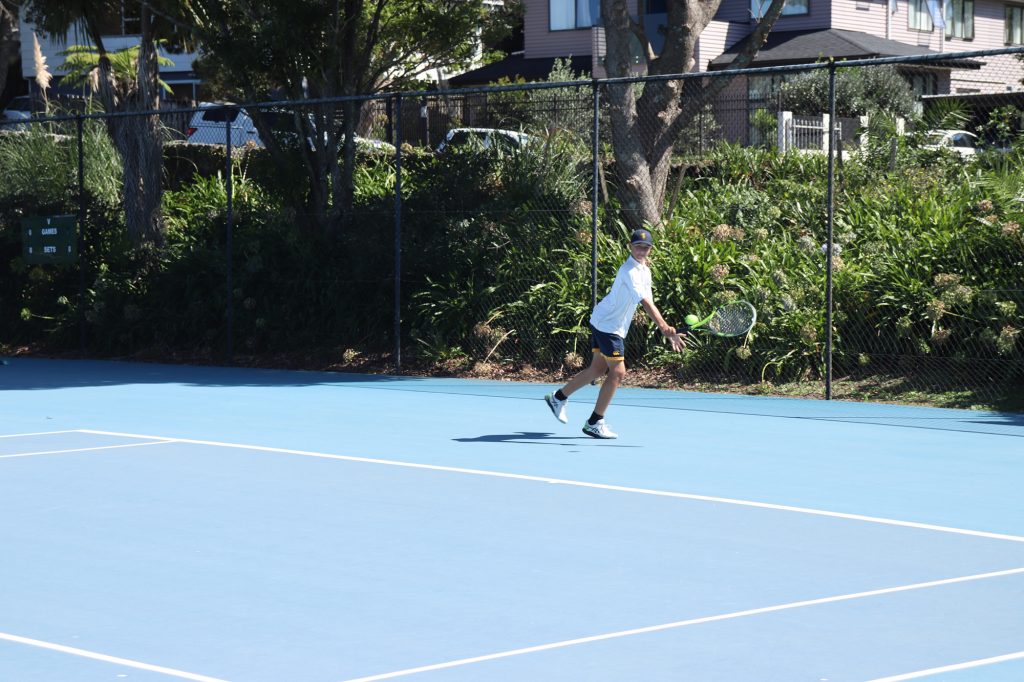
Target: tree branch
(748,50)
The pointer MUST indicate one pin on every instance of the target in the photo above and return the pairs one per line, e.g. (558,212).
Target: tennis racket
(731,319)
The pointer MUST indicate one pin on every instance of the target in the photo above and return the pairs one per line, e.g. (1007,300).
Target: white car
(484,137)
(960,141)
(209,126)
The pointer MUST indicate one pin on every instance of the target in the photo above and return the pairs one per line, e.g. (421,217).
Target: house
(120,30)
(807,31)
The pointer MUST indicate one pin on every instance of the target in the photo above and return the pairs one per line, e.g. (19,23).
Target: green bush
(860,91)
(496,250)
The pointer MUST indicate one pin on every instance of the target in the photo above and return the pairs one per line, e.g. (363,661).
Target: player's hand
(676,338)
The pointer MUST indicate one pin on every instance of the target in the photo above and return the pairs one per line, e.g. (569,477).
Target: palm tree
(81,67)
(9,38)
(123,83)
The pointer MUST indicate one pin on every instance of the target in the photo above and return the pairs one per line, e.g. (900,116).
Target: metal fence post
(229,227)
(596,173)
(831,215)
(79,127)
(398,233)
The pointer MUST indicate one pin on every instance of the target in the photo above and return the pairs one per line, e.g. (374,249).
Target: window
(131,18)
(20,104)
(923,83)
(656,7)
(760,88)
(220,114)
(962,139)
(564,15)
(918,16)
(120,19)
(1014,25)
(759,7)
(960,19)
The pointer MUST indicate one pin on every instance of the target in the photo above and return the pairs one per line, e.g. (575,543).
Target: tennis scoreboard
(49,239)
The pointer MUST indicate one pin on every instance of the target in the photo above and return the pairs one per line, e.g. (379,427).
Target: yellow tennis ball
(691,320)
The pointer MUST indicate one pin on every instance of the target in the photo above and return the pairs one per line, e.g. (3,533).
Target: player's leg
(557,401)
(598,366)
(613,350)
(616,373)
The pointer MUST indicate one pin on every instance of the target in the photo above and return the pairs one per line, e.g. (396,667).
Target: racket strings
(733,319)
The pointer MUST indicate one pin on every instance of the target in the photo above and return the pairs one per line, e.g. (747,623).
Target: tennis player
(609,324)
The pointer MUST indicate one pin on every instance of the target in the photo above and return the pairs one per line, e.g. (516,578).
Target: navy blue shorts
(611,346)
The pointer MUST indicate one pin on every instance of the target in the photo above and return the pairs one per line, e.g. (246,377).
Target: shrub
(859,91)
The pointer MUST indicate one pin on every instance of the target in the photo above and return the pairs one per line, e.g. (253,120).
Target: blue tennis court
(171,522)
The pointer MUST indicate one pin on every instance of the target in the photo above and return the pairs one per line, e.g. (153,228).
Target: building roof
(516,66)
(809,46)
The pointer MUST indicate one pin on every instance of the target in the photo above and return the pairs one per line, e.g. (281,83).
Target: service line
(116,660)
(583,484)
(684,623)
(951,668)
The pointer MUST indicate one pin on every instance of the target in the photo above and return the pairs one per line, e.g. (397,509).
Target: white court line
(99,447)
(41,433)
(683,623)
(584,484)
(107,659)
(950,668)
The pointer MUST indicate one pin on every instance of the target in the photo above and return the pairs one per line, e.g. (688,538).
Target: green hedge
(496,257)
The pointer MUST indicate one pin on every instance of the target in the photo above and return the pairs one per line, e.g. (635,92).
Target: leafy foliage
(496,251)
(317,49)
(81,67)
(859,91)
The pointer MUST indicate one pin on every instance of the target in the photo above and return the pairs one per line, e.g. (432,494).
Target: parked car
(210,122)
(209,126)
(960,141)
(18,110)
(485,138)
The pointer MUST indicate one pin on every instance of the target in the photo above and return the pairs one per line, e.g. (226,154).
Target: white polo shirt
(614,313)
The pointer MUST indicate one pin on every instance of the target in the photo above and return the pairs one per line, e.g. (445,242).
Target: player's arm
(674,336)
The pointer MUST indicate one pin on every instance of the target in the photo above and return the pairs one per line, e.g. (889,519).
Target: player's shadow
(540,438)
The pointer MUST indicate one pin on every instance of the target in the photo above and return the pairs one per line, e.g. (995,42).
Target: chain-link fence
(875,228)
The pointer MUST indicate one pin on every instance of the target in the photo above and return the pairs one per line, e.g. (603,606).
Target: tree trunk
(346,180)
(137,138)
(10,44)
(141,142)
(349,69)
(636,187)
(139,145)
(645,127)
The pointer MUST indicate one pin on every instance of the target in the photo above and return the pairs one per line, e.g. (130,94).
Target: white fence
(804,132)
(808,133)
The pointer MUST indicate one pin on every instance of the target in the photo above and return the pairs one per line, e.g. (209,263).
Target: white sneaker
(557,407)
(599,430)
